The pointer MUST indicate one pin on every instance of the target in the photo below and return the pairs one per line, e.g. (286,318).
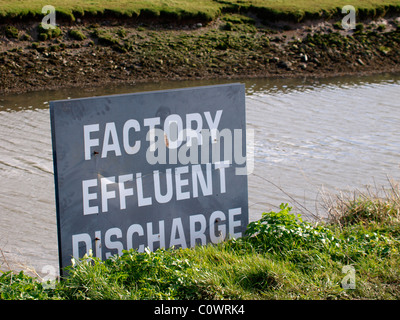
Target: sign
(154,169)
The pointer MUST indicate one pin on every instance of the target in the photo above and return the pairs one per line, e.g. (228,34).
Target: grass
(378,206)
(281,257)
(76,35)
(203,10)
(298,10)
(72,9)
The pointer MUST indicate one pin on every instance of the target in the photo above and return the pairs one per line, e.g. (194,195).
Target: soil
(99,53)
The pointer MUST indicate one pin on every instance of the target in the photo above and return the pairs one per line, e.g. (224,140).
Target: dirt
(231,47)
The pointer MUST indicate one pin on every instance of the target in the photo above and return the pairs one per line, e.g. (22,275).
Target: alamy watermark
(49,20)
(173,145)
(349,280)
(349,21)
(49,280)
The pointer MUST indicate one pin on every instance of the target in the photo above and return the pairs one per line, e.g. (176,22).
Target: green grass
(207,10)
(297,10)
(71,9)
(76,35)
(281,257)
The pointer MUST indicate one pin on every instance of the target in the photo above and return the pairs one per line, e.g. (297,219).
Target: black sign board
(154,169)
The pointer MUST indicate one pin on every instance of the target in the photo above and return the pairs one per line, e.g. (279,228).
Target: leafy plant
(21,286)
(281,257)
(150,275)
(279,232)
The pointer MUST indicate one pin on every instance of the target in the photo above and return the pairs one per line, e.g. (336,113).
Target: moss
(55,33)
(41,49)
(25,37)
(337,25)
(12,32)
(227,26)
(381,27)
(239,19)
(18,49)
(121,32)
(43,36)
(74,45)
(65,14)
(76,35)
(50,33)
(359,27)
(55,48)
(384,50)
(119,48)
(107,40)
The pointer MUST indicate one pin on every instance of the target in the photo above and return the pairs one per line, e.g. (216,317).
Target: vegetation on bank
(202,10)
(236,45)
(281,257)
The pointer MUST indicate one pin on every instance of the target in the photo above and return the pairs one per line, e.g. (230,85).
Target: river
(312,138)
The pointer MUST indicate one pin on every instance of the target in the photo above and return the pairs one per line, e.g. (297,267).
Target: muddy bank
(90,53)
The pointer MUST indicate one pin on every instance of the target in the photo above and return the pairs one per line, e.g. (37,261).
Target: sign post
(154,169)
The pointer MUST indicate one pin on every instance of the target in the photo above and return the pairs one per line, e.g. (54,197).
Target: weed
(381,206)
(279,232)
(22,286)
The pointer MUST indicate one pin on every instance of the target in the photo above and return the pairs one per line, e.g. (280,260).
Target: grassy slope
(196,9)
(207,9)
(297,10)
(312,5)
(282,257)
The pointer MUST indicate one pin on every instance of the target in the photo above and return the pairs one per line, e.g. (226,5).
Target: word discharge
(156,169)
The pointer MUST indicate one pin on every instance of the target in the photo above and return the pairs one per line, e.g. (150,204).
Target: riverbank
(354,255)
(90,52)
